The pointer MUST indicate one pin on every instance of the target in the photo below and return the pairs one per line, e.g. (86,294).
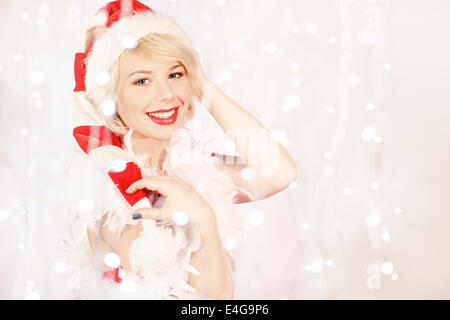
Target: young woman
(151,198)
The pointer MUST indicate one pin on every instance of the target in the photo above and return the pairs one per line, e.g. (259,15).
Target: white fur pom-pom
(154,251)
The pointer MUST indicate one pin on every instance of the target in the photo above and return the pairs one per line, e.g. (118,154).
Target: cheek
(185,91)
(128,103)
(187,94)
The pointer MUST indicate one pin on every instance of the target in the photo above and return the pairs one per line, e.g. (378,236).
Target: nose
(165,91)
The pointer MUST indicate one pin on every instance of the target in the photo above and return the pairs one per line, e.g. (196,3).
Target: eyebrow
(150,72)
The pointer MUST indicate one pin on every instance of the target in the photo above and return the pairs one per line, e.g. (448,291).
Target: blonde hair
(157,47)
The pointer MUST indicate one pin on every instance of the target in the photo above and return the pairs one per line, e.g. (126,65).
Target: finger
(154,198)
(151,213)
(152,183)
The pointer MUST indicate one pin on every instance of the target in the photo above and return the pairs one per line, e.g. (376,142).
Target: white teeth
(162,115)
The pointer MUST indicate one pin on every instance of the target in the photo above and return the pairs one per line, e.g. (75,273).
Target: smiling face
(145,86)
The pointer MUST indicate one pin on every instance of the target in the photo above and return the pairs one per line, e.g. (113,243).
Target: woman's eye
(139,81)
(179,73)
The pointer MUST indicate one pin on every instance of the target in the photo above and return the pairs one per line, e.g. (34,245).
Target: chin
(161,134)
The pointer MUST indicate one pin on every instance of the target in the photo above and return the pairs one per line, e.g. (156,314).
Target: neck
(155,149)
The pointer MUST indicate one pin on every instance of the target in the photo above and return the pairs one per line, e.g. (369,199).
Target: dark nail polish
(137,216)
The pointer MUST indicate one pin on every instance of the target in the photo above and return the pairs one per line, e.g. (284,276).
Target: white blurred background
(358,91)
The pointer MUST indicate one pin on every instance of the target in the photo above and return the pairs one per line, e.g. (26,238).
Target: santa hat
(101,46)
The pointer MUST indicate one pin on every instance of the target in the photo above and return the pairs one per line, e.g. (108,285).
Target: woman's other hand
(179,197)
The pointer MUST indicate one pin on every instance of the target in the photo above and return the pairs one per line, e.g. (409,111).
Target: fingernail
(137,216)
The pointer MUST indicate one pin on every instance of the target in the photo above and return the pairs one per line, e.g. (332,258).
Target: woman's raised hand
(179,197)
(202,85)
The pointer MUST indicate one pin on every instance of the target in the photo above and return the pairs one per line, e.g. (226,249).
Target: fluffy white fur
(162,252)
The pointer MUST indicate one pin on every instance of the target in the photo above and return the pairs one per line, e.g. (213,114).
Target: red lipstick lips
(164,121)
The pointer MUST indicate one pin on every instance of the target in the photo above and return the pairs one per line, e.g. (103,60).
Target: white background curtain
(357,91)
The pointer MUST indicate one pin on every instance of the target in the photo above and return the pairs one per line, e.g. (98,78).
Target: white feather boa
(163,250)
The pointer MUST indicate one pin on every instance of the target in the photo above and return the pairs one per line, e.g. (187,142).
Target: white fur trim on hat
(109,47)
